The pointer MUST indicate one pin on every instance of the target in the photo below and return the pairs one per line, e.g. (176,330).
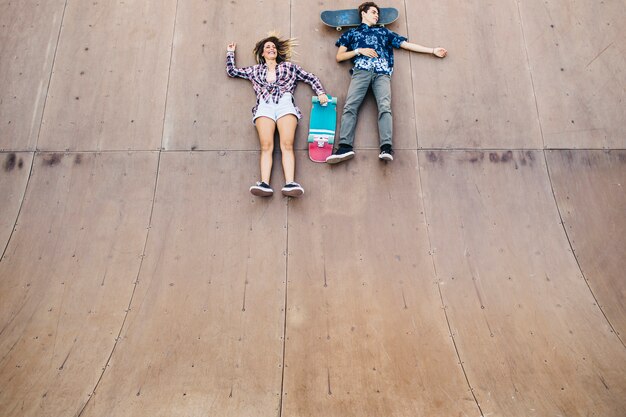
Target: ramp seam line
(132,295)
(569,242)
(282,376)
(286,299)
(556,203)
(443,305)
(364,148)
(19,210)
(406,20)
(530,73)
(54,60)
(169,76)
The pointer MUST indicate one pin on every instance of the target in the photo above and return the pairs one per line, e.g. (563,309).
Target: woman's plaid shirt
(287,76)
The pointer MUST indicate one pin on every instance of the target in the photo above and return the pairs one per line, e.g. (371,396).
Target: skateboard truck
(321,140)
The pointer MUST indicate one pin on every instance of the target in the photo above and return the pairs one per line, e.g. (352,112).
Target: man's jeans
(381,87)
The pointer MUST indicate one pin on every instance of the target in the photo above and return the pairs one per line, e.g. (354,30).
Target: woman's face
(269,51)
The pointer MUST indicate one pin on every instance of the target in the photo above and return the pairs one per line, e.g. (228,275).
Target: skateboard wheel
(333,100)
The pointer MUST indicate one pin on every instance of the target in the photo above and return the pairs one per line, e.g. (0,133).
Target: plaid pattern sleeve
(233,71)
(310,79)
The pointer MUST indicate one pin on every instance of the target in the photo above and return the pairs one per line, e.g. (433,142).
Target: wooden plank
(206,109)
(589,189)
(317,52)
(528,330)
(366,332)
(28,36)
(205,332)
(577,61)
(109,82)
(14,173)
(68,275)
(481,95)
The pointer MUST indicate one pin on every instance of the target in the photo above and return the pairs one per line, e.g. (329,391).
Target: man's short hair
(364,8)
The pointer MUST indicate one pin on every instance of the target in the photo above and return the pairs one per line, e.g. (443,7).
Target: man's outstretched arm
(440,52)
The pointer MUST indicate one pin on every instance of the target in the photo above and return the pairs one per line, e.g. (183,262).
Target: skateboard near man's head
(322,127)
(351,17)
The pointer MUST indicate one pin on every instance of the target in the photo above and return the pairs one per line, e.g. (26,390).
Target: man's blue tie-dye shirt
(380,39)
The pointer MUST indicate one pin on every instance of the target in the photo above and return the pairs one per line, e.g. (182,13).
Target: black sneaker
(386,153)
(292,189)
(343,153)
(261,189)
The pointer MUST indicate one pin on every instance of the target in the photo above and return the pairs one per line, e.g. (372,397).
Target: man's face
(371,16)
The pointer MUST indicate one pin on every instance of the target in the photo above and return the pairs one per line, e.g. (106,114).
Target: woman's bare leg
(265,128)
(287,131)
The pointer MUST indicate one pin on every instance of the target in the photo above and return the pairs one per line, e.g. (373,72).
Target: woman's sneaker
(261,189)
(343,153)
(292,189)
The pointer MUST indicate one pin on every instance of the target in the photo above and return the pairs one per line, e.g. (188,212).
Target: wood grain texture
(14,172)
(589,189)
(577,57)
(29,32)
(479,273)
(480,95)
(366,331)
(68,276)
(204,332)
(528,330)
(109,83)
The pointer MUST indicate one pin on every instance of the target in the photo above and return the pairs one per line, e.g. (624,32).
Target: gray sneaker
(261,189)
(343,153)
(292,189)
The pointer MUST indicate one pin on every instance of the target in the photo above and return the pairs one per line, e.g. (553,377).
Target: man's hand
(440,52)
(369,52)
(231,47)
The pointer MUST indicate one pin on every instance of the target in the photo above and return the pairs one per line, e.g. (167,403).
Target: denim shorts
(275,111)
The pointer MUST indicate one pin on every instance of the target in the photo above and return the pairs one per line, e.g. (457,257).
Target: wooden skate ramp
(108,86)
(576,56)
(14,172)
(67,277)
(520,310)
(204,333)
(589,188)
(366,331)
(481,273)
(29,32)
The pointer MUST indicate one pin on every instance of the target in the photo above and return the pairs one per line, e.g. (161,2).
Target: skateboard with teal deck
(322,127)
(351,17)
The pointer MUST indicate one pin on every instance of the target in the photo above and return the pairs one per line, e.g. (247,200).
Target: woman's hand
(231,47)
(323,98)
(440,52)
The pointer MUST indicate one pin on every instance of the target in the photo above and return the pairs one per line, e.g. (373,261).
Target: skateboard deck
(350,17)
(322,127)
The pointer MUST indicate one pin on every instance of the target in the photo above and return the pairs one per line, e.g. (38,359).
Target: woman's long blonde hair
(284,48)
